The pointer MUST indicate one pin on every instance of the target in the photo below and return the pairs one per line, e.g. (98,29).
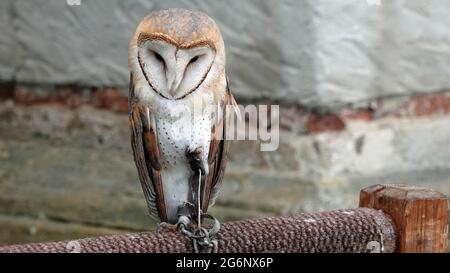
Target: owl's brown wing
(144,143)
(218,150)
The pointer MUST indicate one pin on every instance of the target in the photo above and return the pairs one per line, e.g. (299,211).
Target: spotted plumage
(177,65)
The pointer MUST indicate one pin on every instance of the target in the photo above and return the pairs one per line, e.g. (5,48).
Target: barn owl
(177,64)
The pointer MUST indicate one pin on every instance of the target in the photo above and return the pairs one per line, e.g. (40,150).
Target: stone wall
(66,168)
(363,93)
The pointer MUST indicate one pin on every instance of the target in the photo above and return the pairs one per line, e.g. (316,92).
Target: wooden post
(420,215)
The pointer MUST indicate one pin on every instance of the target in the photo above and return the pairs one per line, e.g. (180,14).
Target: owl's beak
(174,84)
(173,92)
(173,89)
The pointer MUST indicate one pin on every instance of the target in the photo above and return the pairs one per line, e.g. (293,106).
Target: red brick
(331,122)
(66,97)
(70,96)
(429,105)
(357,114)
(111,99)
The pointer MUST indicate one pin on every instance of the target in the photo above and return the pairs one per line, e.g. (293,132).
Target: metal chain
(203,240)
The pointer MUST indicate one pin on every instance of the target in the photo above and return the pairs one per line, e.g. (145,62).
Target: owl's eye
(159,57)
(193,60)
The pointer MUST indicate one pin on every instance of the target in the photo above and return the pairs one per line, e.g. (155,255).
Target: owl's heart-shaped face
(172,71)
(174,54)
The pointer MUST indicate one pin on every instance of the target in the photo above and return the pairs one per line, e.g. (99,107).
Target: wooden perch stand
(420,215)
(391,218)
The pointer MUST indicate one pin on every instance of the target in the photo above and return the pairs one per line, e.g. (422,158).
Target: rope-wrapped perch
(352,230)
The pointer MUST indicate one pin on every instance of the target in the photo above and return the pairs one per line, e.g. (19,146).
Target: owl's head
(173,51)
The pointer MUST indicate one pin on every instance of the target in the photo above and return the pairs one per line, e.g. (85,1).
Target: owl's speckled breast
(177,131)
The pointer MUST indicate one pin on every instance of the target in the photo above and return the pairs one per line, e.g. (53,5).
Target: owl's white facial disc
(174,72)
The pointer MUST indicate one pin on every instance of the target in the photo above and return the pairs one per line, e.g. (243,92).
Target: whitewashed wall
(310,52)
